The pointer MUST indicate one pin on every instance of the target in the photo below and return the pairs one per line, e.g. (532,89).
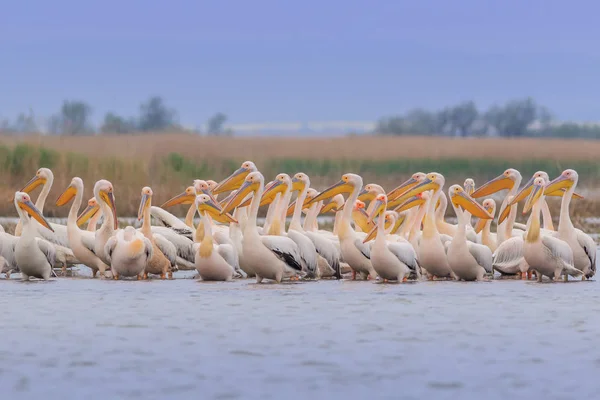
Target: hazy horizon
(269,61)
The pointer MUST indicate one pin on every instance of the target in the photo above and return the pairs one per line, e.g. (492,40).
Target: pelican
(103,192)
(270,257)
(58,235)
(469,261)
(390,260)
(213,262)
(8,243)
(34,256)
(235,180)
(432,254)
(545,254)
(306,248)
(164,253)
(354,252)
(82,242)
(483,225)
(92,207)
(583,246)
(129,252)
(369,193)
(397,192)
(329,257)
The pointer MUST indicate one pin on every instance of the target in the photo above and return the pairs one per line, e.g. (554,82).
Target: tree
(116,124)
(24,123)
(73,119)
(155,116)
(216,123)
(462,117)
(514,118)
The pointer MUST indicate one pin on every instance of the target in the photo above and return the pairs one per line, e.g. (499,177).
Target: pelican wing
(326,249)
(109,247)
(48,249)
(229,254)
(8,249)
(482,254)
(364,248)
(59,236)
(306,249)
(285,249)
(88,239)
(167,248)
(149,250)
(588,245)
(181,243)
(405,253)
(167,219)
(509,255)
(558,249)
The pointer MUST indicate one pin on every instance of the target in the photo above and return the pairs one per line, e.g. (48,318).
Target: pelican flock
(401,235)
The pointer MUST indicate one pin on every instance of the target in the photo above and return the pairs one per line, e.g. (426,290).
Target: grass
(169,162)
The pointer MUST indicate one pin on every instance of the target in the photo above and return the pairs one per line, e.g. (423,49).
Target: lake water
(89,339)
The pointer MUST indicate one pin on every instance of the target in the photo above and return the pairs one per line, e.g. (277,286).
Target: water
(83,338)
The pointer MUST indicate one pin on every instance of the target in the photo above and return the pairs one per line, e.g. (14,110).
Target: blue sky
(304,60)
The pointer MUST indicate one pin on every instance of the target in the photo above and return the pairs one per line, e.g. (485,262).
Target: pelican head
(186,197)
(536,194)
(461,199)
(26,207)
(380,206)
(334,205)
(469,186)
(413,201)
(211,184)
(75,185)
(346,185)
(92,208)
(566,180)
(252,183)
(104,192)
(203,187)
(146,201)
(206,204)
(507,180)
(235,180)
(433,181)
(42,176)
(370,191)
(300,181)
(413,181)
(490,207)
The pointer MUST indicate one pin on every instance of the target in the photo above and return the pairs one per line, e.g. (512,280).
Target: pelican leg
(8,274)
(64,270)
(582,277)
(539,277)
(259,279)
(145,276)
(163,276)
(24,276)
(566,278)
(170,274)
(353,275)
(115,276)
(94,273)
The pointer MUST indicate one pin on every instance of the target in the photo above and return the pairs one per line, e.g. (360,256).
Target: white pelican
(329,261)
(164,253)
(396,193)
(545,254)
(82,242)
(583,246)
(432,253)
(306,248)
(469,261)
(271,257)
(483,225)
(213,262)
(129,252)
(391,260)
(369,193)
(235,180)
(34,256)
(354,252)
(8,243)
(103,192)
(510,179)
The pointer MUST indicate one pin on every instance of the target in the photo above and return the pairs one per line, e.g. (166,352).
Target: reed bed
(168,162)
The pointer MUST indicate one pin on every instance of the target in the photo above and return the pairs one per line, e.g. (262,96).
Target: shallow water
(83,338)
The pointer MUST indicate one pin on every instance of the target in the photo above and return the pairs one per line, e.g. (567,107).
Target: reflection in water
(83,338)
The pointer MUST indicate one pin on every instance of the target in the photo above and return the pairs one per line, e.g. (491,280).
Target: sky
(287,61)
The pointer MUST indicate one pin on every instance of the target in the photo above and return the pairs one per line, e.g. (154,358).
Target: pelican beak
(504,214)
(361,218)
(534,196)
(224,202)
(181,198)
(399,221)
(495,185)
(365,196)
(145,203)
(400,190)
(66,196)
(561,192)
(340,187)
(297,185)
(524,192)
(411,202)
(481,221)
(462,199)
(233,181)
(33,183)
(292,207)
(378,209)
(331,206)
(372,234)
(109,199)
(88,213)
(424,186)
(246,188)
(561,182)
(32,210)
(271,192)
(214,210)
